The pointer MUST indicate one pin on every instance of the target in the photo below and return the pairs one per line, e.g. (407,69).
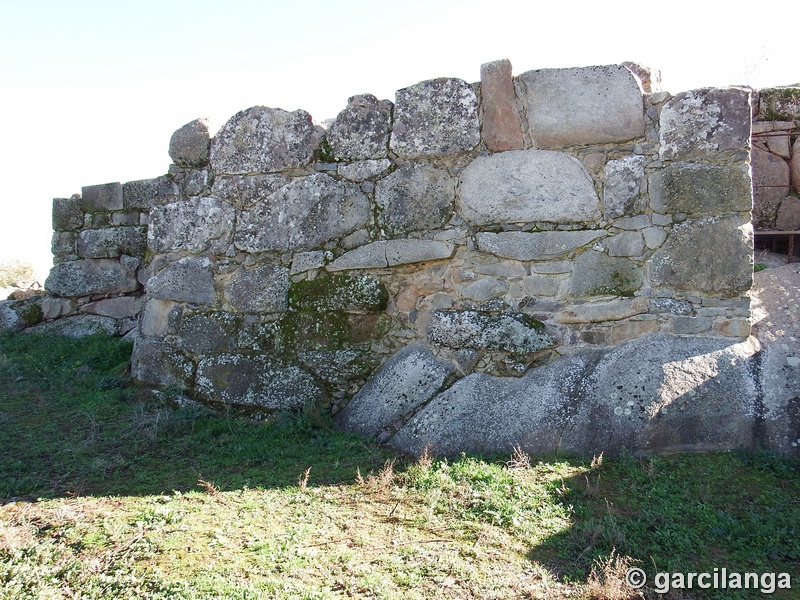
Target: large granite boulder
(657,394)
(361,131)
(435,118)
(85,277)
(189,146)
(257,381)
(523,186)
(263,140)
(588,105)
(191,279)
(196,225)
(705,124)
(404,383)
(712,255)
(417,196)
(303,215)
(697,188)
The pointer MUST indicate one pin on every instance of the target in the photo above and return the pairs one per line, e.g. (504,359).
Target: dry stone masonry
(557,260)
(776,159)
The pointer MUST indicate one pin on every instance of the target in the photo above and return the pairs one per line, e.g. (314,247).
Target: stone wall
(474,266)
(776,159)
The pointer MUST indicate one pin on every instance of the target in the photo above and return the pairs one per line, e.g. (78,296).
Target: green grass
(110,493)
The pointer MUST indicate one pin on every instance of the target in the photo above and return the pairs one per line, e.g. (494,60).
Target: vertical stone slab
(589,105)
(502,128)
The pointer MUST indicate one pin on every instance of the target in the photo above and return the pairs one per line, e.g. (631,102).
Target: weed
(519,460)
(302,481)
(607,578)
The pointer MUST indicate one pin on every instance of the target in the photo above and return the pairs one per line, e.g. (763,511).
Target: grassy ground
(108,493)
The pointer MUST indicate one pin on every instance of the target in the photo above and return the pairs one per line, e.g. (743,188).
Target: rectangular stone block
(690,325)
(589,105)
(107,196)
(144,193)
(67,214)
(693,188)
(629,330)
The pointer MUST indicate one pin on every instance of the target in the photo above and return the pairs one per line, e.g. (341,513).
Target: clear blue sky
(91,91)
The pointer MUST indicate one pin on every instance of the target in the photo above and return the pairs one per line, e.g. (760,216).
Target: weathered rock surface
(698,124)
(340,292)
(596,273)
(627,243)
(657,394)
(794,165)
(481,413)
(417,196)
(598,312)
(10,319)
(544,245)
(77,326)
(190,279)
(776,324)
(111,242)
(668,394)
(106,196)
(361,131)
(545,186)
(303,215)
(260,290)
(622,187)
(512,332)
(202,333)
(392,253)
(189,145)
(433,118)
(85,277)
(67,214)
(196,225)
(119,308)
(779,103)
(256,380)
(156,363)
(364,169)
(405,382)
(788,215)
(502,127)
(712,255)
(246,190)
(696,188)
(589,105)
(159,317)
(144,193)
(263,140)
